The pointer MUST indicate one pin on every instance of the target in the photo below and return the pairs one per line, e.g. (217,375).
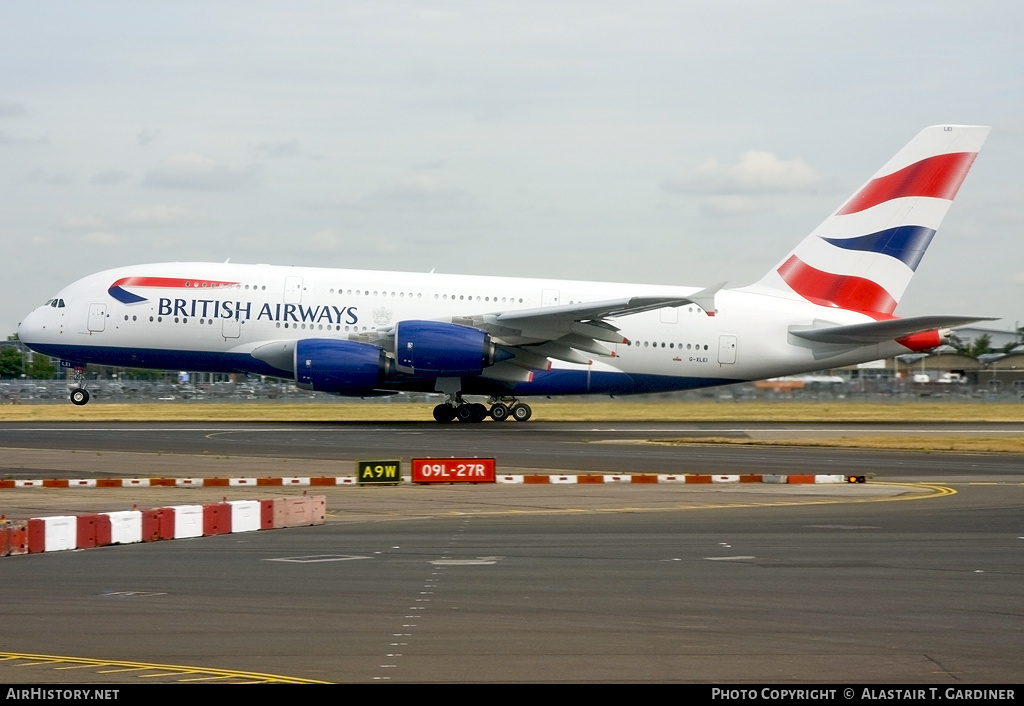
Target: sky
(677,143)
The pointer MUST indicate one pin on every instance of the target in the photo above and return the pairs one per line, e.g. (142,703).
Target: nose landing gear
(79,395)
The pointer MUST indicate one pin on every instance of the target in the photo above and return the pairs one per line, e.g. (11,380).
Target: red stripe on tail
(937,177)
(838,291)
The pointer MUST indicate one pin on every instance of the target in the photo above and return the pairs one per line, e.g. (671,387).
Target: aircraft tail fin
(863,256)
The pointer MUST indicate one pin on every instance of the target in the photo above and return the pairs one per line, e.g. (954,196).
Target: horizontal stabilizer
(879,331)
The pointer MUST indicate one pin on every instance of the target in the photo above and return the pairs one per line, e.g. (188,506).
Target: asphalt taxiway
(917,580)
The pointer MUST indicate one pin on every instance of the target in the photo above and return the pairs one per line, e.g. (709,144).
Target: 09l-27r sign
(453,470)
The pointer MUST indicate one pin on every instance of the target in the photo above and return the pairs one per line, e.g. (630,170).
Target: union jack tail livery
(863,256)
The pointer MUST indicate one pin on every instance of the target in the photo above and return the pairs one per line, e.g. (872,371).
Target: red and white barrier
(245,515)
(333,481)
(13,537)
(63,532)
(125,526)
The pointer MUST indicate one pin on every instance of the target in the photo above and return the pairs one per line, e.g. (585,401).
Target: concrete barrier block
(125,526)
(151,525)
(17,537)
(317,509)
(266,514)
(216,519)
(291,512)
(92,531)
(245,515)
(188,521)
(52,534)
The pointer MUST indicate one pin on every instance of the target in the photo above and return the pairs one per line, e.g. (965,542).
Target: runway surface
(536,445)
(620,583)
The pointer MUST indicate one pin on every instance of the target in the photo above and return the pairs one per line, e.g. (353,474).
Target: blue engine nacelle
(434,348)
(341,367)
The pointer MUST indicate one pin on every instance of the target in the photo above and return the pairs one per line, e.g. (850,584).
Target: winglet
(705,298)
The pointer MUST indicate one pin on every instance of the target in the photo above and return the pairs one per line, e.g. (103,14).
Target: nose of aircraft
(31,329)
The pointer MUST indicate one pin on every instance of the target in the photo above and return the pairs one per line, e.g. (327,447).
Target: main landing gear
(456,408)
(79,395)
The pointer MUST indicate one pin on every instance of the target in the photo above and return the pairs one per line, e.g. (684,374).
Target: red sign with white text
(453,470)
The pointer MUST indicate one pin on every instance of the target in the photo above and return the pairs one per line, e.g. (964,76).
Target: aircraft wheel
(479,412)
(499,412)
(465,413)
(444,413)
(522,412)
(79,396)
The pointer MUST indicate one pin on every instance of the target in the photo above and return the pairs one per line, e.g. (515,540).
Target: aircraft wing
(879,331)
(528,337)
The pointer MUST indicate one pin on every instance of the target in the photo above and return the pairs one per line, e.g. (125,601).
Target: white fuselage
(208,316)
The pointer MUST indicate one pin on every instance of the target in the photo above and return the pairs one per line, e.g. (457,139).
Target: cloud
(279,150)
(6,139)
(196,172)
(731,206)
(12,109)
(109,177)
(146,136)
(431,164)
(150,217)
(83,223)
(756,172)
(100,238)
(38,176)
(417,194)
(157,216)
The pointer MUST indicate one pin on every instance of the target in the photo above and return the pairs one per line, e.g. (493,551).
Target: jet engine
(341,367)
(434,348)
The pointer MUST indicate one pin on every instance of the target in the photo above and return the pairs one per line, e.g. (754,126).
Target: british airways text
(216,309)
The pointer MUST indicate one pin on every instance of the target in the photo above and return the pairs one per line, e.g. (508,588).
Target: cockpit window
(55,303)
(60,303)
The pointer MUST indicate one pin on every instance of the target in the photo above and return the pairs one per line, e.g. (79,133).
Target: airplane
(828,303)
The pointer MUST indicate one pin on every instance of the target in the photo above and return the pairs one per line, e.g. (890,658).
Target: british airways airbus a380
(830,302)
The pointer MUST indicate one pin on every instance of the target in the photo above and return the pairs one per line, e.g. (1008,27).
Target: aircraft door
(232,327)
(727,349)
(97,317)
